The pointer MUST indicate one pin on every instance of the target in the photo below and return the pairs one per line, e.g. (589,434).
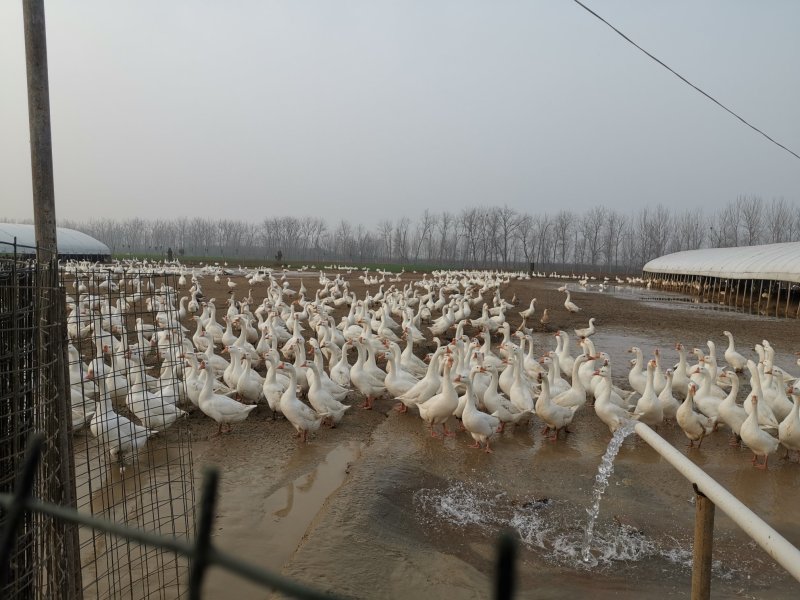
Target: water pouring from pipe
(604,472)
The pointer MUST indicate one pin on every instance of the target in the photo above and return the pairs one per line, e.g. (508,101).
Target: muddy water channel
(376,508)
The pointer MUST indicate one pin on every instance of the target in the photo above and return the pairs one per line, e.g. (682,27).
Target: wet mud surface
(378,508)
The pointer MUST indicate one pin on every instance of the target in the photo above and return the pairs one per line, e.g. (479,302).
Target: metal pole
(788,295)
(777,300)
(44,208)
(778,547)
(703,545)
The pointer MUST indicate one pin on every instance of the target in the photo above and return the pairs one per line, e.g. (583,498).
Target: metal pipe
(765,536)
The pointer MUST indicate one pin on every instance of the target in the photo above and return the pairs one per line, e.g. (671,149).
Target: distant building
(71,244)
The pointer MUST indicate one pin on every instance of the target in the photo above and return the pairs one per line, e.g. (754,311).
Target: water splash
(604,472)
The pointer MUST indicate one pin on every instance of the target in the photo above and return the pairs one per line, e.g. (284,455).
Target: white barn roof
(70,242)
(777,262)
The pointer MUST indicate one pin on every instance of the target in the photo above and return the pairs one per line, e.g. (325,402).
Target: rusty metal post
(703,545)
(44,208)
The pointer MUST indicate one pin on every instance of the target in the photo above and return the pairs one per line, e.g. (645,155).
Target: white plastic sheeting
(70,242)
(777,262)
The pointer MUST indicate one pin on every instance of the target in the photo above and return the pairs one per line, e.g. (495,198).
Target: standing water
(604,472)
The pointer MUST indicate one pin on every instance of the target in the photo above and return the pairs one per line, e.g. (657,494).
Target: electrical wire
(682,78)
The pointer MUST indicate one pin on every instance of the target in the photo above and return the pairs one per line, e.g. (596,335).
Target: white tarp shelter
(775,262)
(70,242)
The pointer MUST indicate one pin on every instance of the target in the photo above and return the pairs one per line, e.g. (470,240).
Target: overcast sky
(372,109)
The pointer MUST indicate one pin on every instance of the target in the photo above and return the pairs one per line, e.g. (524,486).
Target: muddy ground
(378,508)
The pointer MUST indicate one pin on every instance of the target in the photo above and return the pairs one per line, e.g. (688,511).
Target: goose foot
(448,433)
(435,433)
(487,449)
(401,408)
(475,445)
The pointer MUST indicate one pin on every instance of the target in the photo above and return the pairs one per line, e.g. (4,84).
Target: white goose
(302,417)
(669,403)
(339,370)
(760,442)
(565,359)
(520,392)
(766,418)
(528,312)
(695,425)
(479,425)
(322,400)
(150,409)
(250,385)
(734,359)
(789,428)
(586,331)
(500,406)
(363,380)
(576,395)
(272,389)
(612,415)
(438,408)
(570,305)
(637,376)
(648,408)
(120,436)
(425,387)
(731,413)
(222,409)
(398,381)
(410,362)
(557,416)
(680,375)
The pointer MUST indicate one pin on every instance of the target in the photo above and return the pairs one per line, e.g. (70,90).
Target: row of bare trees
(600,238)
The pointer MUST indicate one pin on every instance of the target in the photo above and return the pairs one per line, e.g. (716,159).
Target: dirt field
(377,508)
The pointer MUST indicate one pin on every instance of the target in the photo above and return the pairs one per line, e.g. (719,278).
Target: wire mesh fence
(133,460)
(32,381)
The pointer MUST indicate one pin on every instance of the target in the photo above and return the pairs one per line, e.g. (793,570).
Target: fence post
(703,545)
(44,208)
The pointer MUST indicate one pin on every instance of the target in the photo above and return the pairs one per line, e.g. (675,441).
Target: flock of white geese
(288,347)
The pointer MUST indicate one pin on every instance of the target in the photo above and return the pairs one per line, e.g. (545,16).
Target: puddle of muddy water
(267,530)
(673,300)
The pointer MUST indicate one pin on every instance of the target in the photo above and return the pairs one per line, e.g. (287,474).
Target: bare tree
(385,229)
(445,225)
(778,221)
(423,231)
(751,209)
(401,241)
(593,226)
(563,228)
(507,222)
(726,233)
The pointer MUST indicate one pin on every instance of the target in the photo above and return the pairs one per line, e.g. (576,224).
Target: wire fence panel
(32,384)
(133,459)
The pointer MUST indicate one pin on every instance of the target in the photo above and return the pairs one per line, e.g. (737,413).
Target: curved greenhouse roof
(777,262)
(71,243)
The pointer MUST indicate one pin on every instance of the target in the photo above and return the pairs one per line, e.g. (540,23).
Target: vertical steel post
(788,295)
(703,545)
(777,300)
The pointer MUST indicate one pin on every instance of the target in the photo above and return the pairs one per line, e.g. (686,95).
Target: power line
(682,78)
